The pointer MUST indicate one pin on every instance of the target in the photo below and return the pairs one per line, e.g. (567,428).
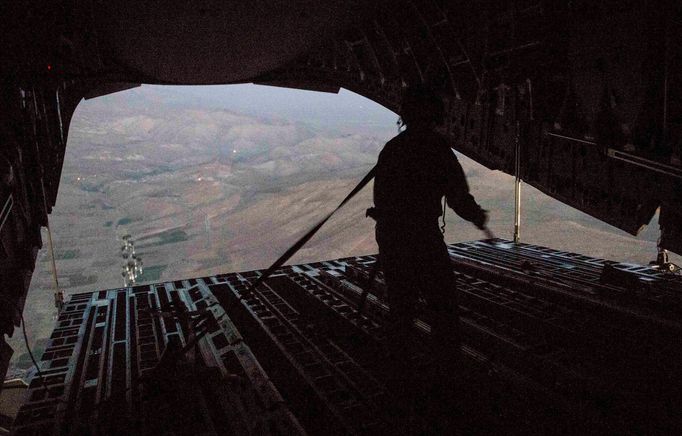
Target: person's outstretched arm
(458,196)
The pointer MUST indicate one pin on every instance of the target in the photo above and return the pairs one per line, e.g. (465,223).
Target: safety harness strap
(305,238)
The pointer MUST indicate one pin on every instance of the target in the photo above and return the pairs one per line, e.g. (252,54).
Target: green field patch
(173,236)
(167,237)
(124,221)
(67,254)
(151,273)
(87,187)
(24,360)
(108,223)
(138,175)
(78,279)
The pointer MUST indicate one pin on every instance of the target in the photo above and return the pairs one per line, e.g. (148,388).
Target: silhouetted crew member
(414,171)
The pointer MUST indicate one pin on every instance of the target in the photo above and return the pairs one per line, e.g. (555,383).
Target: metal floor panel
(105,376)
(550,344)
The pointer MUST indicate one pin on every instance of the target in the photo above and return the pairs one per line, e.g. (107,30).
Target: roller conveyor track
(547,348)
(102,369)
(626,311)
(550,320)
(581,273)
(615,360)
(499,348)
(335,378)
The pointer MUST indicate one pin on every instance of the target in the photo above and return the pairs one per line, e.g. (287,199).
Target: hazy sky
(343,110)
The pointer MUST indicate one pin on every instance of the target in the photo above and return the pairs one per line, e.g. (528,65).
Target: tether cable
(305,238)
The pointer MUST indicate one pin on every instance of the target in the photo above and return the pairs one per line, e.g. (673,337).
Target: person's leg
(398,266)
(402,376)
(402,298)
(439,290)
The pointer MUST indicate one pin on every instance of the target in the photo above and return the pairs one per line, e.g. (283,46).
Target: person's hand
(488,233)
(482,220)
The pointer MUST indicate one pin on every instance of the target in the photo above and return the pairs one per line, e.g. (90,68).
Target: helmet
(421,104)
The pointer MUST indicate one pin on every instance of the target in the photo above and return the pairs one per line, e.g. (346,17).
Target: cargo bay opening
(210,179)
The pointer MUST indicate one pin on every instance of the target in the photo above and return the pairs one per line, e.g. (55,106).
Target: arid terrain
(212,190)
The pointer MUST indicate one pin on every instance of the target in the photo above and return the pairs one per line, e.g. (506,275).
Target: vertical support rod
(54,264)
(59,117)
(517,187)
(58,294)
